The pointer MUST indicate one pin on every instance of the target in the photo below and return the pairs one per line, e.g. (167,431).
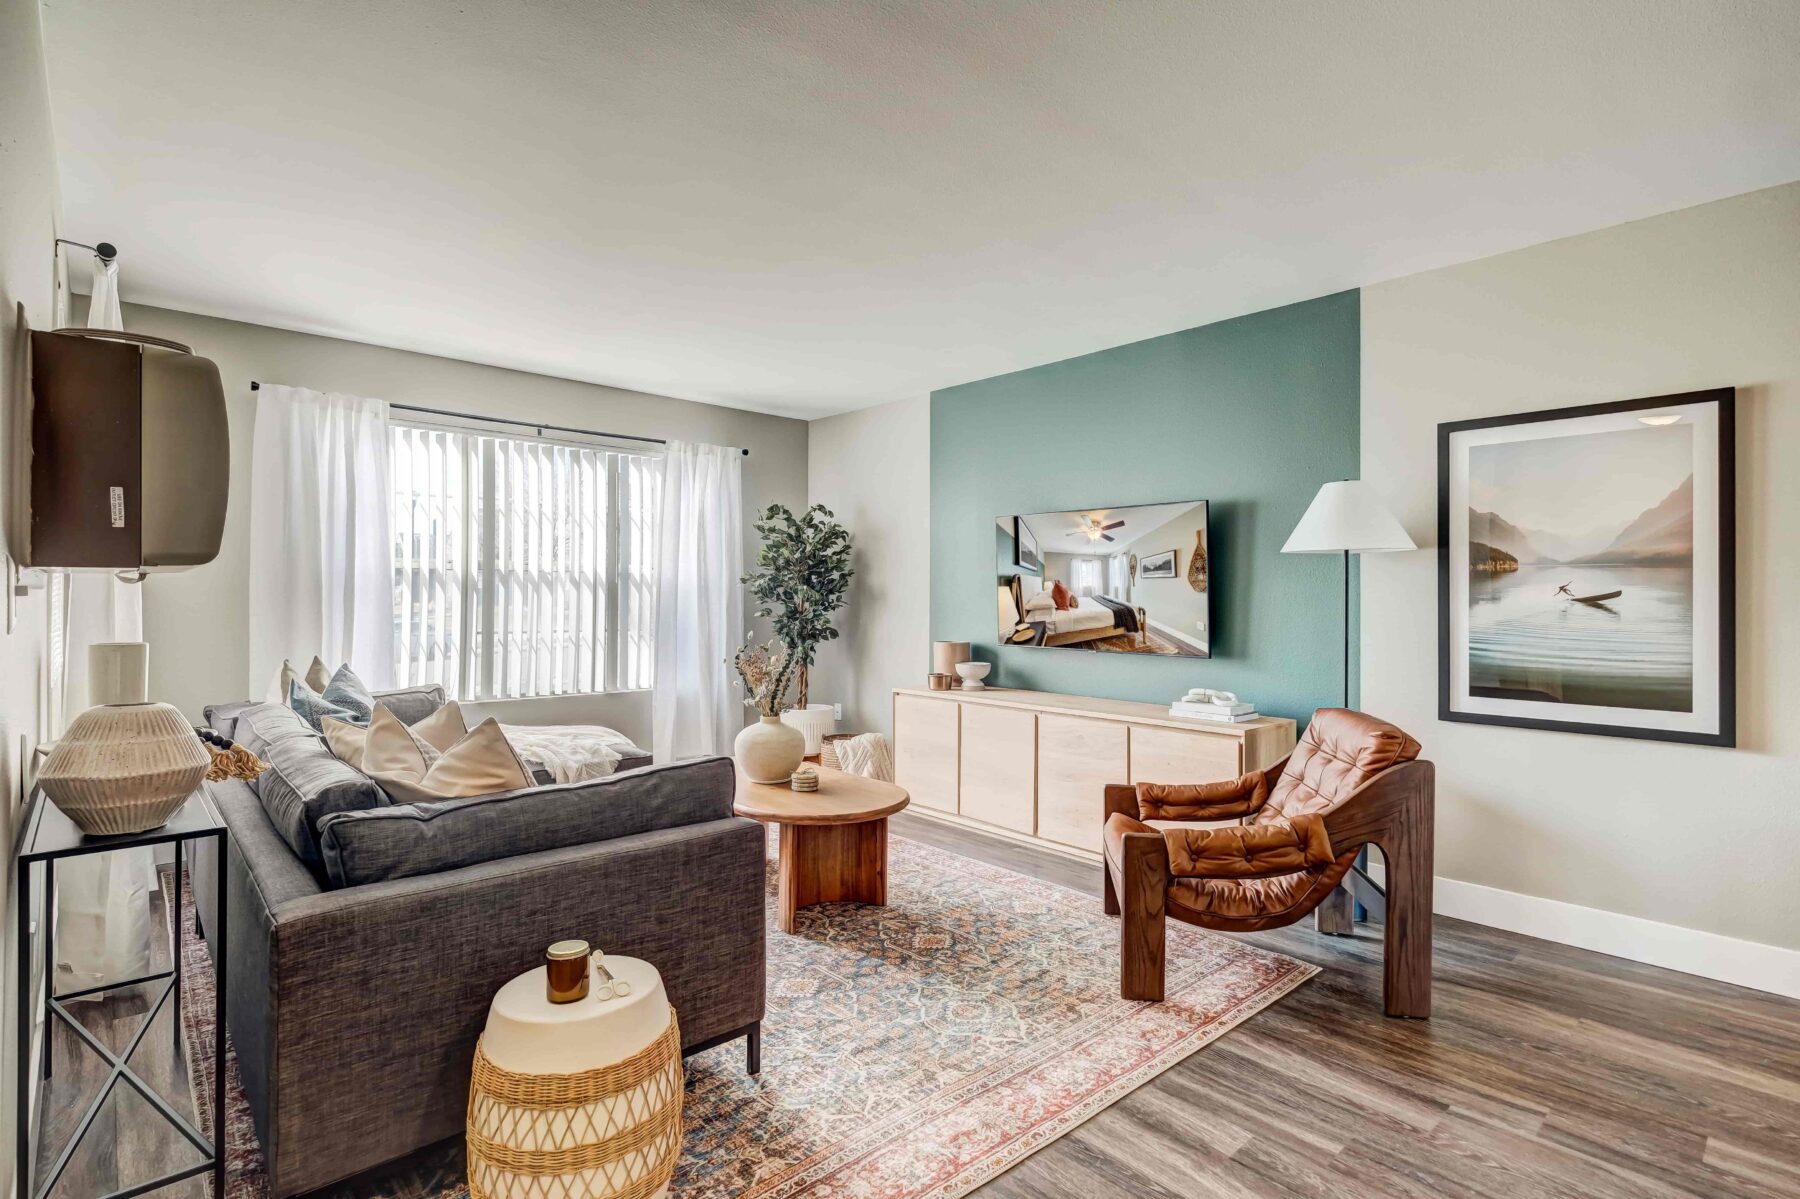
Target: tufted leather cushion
(1245,851)
(1247,904)
(1341,751)
(1223,800)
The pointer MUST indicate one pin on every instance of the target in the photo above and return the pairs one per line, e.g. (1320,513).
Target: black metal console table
(48,838)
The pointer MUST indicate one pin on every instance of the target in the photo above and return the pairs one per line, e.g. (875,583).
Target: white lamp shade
(1347,516)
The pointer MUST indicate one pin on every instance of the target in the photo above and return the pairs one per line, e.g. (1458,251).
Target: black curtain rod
(527,424)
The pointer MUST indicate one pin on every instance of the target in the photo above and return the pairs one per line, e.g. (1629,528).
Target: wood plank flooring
(1545,1070)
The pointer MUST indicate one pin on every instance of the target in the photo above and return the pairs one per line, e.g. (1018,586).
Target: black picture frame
(1152,566)
(1026,559)
(1726,735)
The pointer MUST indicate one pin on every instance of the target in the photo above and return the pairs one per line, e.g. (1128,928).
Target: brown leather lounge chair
(1352,781)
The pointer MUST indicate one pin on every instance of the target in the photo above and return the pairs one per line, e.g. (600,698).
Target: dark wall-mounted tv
(1123,580)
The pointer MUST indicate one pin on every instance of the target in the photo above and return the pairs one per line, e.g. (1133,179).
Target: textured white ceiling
(805,207)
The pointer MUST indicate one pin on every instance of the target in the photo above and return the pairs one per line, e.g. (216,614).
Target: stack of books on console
(1232,713)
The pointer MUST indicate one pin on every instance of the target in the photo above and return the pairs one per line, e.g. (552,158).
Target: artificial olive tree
(800,580)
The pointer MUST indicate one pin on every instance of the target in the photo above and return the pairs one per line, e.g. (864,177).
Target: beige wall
(28,228)
(1702,838)
(197,622)
(873,469)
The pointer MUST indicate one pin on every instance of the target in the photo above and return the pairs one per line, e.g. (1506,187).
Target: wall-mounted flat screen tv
(1130,580)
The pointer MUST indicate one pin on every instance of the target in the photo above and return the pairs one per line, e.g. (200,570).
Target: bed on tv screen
(1129,580)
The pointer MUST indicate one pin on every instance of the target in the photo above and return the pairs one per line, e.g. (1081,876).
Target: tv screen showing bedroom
(1130,580)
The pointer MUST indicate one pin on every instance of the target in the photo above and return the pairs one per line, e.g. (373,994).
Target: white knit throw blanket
(866,755)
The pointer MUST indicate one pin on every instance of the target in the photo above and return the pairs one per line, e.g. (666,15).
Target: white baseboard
(1691,951)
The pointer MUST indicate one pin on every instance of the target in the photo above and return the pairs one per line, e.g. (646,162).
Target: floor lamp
(1347,518)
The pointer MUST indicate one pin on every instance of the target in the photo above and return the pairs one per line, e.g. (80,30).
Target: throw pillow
(345,740)
(1060,595)
(347,691)
(482,763)
(443,728)
(393,749)
(318,675)
(1040,602)
(312,707)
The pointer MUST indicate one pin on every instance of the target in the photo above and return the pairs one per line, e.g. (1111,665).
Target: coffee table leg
(787,863)
(829,863)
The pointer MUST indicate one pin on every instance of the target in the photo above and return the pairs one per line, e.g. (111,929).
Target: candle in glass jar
(566,971)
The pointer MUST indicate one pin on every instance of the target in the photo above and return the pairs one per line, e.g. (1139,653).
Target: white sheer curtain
(1118,576)
(102,901)
(1087,574)
(700,602)
(321,545)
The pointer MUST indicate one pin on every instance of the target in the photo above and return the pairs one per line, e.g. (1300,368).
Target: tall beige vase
(127,765)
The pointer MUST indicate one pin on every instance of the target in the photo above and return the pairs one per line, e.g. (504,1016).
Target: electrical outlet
(837,711)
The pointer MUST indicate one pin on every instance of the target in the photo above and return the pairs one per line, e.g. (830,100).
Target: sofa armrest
(1227,799)
(389,984)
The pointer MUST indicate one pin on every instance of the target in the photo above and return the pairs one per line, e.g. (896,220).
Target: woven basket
(828,751)
(609,1133)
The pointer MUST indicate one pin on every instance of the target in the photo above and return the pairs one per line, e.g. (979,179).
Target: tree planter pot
(769,751)
(813,721)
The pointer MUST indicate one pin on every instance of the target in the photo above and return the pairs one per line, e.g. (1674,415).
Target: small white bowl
(972,673)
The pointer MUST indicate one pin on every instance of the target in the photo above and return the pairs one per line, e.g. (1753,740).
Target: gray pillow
(412,704)
(305,782)
(375,844)
(347,692)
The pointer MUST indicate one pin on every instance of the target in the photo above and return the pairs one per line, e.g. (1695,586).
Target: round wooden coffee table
(833,841)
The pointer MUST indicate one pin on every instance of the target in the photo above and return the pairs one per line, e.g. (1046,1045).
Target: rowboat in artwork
(1588,599)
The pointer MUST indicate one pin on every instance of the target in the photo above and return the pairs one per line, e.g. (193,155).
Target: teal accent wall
(1252,414)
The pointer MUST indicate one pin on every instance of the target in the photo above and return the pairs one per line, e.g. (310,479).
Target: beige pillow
(344,739)
(443,728)
(482,763)
(393,749)
(317,677)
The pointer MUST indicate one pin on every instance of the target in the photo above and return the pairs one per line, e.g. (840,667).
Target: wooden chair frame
(1392,811)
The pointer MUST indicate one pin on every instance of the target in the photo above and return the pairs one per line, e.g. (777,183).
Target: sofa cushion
(304,782)
(412,704)
(375,844)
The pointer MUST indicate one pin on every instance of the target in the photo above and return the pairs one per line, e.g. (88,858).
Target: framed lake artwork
(1586,563)
(1157,566)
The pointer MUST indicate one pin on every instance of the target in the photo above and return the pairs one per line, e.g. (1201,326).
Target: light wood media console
(1032,765)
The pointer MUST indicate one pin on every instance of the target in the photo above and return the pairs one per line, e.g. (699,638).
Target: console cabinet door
(999,766)
(1160,755)
(925,750)
(1077,758)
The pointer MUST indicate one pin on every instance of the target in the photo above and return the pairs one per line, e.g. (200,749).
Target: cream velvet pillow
(482,763)
(443,728)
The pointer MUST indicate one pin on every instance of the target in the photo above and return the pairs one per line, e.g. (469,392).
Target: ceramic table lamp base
(124,768)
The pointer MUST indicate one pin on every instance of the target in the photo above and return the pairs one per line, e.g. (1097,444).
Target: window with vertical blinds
(522,566)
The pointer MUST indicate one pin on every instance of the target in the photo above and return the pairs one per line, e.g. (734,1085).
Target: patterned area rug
(908,1051)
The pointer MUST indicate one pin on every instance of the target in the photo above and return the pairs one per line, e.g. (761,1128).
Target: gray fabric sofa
(354,1008)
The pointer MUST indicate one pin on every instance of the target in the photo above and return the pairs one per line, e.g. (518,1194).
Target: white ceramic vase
(769,751)
(813,721)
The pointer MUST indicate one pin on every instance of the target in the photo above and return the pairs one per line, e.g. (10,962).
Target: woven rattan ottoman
(577,1100)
